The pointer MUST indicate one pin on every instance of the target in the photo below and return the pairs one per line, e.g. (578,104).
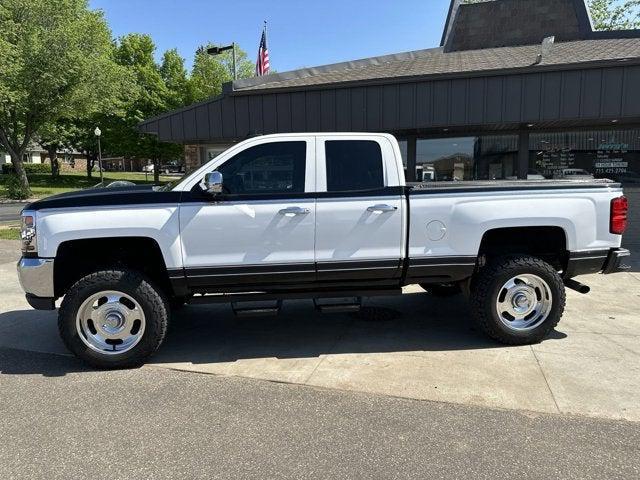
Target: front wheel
(113,319)
(517,299)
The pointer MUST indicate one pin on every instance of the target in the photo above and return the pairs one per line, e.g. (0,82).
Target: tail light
(618,218)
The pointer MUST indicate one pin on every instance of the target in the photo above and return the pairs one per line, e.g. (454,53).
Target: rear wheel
(518,299)
(113,319)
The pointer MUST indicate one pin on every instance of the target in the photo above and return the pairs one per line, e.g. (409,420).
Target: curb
(20,202)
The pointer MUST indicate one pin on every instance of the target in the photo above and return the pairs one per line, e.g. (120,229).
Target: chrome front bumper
(36,276)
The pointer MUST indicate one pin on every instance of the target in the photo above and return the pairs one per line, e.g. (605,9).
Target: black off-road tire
(486,287)
(442,290)
(151,299)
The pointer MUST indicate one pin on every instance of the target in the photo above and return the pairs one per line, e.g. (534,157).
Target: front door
(359,212)
(261,228)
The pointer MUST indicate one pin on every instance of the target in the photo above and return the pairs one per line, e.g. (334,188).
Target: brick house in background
(73,160)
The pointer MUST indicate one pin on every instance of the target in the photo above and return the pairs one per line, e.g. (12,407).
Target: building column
(523,155)
(411,158)
(191,158)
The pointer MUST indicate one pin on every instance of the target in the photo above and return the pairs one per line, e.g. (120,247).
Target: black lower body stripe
(273,274)
(440,269)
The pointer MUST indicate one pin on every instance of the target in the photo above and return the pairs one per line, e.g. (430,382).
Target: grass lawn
(9,233)
(44,185)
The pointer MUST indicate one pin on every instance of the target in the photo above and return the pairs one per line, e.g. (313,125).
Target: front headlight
(28,233)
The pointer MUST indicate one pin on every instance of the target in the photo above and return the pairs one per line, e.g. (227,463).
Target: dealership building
(516,89)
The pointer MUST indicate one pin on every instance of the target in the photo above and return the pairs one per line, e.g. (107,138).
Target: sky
(300,33)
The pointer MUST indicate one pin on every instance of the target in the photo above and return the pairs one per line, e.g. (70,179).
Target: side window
(353,165)
(277,167)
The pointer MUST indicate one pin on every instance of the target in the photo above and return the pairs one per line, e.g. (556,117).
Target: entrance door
(359,213)
(261,228)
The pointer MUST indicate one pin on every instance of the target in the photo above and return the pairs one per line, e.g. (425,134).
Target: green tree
(615,14)
(209,72)
(151,96)
(175,77)
(56,62)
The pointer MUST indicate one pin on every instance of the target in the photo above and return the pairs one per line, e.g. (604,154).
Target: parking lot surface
(410,391)
(60,420)
(416,346)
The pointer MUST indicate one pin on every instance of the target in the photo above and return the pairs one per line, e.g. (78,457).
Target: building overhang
(579,82)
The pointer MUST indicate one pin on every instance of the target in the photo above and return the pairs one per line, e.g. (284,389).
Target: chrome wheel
(110,322)
(524,302)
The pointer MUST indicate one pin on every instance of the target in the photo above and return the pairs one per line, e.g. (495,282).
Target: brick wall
(79,163)
(192,159)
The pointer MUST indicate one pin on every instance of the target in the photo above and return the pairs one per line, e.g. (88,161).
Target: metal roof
(436,61)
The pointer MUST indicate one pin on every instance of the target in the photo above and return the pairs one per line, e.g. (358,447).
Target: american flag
(262,64)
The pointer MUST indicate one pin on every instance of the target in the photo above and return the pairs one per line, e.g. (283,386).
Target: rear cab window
(353,165)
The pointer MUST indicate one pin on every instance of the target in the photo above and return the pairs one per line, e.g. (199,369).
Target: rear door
(359,210)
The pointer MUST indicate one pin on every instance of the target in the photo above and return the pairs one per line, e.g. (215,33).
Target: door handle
(291,211)
(382,208)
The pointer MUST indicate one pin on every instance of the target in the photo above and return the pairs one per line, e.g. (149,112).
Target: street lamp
(97,133)
(219,50)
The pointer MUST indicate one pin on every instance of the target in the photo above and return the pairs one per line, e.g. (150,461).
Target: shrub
(15,189)
(9,169)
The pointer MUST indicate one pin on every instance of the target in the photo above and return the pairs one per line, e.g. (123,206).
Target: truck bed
(507,185)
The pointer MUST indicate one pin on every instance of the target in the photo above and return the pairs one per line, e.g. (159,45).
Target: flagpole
(265,33)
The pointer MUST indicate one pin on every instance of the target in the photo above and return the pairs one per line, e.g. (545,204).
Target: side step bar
(290,295)
(256,309)
(338,305)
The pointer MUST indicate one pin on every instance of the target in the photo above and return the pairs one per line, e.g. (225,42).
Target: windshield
(170,185)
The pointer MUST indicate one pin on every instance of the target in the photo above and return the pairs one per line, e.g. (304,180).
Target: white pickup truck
(327,217)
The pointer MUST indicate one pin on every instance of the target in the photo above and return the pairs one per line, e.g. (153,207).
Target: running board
(338,305)
(256,309)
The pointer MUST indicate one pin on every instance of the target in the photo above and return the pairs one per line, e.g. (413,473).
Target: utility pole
(219,50)
(235,71)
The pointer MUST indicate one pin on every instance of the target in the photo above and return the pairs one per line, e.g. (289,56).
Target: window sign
(613,154)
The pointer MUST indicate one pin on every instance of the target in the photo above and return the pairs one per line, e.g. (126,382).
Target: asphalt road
(59,420)
(10,211)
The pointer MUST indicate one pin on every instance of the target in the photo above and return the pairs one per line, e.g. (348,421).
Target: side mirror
(213,183)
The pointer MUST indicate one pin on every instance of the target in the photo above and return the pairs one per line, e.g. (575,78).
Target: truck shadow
(635,257)
(212,335)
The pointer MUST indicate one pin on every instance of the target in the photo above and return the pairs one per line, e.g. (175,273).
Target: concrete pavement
(426,349)
(60,420)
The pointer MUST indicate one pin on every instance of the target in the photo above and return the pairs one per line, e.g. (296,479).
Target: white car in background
(576,174)
(531,175)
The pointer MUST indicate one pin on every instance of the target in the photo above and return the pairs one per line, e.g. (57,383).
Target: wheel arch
(548,242)
(77,258)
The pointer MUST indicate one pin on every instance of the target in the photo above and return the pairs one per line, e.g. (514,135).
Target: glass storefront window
(403,152)
(613,154)
(487,157)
